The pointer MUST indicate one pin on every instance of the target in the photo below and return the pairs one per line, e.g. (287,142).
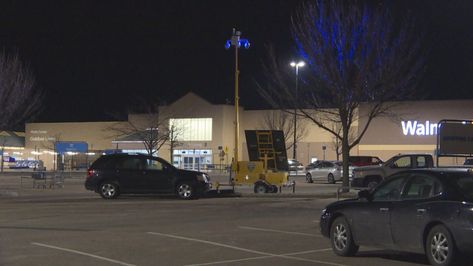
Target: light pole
(237,42)
(296,66)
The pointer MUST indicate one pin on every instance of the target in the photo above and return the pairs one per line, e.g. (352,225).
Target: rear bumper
(91,184)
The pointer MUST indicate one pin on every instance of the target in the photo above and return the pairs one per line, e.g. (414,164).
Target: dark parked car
(428,211)
(112,175)
(468,162)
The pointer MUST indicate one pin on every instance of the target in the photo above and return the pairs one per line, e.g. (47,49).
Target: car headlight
(203,178)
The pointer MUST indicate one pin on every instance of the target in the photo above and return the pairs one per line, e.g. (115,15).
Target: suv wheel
(439,247)
(109,190)
(331,179)
(185,191)
(341,238)
(308,178)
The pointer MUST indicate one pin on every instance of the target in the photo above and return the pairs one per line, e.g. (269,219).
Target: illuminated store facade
(207,134)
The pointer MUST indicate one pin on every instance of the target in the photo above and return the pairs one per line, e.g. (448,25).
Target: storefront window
(192,159)
(192,129)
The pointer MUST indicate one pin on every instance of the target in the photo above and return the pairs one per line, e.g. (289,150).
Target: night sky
(93,58)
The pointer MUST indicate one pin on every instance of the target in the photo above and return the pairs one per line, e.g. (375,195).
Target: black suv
(111,175)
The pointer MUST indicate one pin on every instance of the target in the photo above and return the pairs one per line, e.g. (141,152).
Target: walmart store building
(207,136)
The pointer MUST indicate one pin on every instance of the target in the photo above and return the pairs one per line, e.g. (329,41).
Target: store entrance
(192,159)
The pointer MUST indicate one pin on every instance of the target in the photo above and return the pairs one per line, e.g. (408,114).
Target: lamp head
(228,44)
(298,64)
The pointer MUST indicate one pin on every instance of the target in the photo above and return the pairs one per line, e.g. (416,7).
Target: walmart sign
(416,128)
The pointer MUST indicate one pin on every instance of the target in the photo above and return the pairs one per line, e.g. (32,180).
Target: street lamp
(296,66)
(237,42)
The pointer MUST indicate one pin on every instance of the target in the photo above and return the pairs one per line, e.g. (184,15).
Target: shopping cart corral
(43,179)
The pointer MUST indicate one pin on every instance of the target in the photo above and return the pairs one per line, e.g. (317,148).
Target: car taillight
(90,172)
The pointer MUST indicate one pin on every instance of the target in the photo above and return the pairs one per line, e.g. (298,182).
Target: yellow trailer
(267,169)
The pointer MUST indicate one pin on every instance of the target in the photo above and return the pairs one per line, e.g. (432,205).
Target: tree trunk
(171,151)
(1,166)
(345,154)
(337,151)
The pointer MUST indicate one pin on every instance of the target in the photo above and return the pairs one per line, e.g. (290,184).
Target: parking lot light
(296,66)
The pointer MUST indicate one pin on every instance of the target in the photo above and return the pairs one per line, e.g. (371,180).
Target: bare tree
(175,133)
(284,121)
(337,143)
(356,53)
(19,100)
(144,125)
(50,145)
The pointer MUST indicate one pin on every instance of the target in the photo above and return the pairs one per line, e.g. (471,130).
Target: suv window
(104,163)
(390,190)
(152,164)
(131,163)
(466,185)
(422,187)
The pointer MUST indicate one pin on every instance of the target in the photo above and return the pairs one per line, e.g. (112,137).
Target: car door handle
(421,211)
(384,209)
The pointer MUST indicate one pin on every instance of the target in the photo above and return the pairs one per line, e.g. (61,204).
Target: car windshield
(465,183)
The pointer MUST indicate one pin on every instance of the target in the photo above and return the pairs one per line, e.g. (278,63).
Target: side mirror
(364,194)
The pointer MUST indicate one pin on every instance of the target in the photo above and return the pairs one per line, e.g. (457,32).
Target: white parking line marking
(260,257)
(82,253)
(243,249)
(277,231)
(309,251)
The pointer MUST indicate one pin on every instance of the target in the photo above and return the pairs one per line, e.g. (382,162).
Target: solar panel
(270,143)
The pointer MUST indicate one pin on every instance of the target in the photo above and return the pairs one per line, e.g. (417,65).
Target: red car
(364,160)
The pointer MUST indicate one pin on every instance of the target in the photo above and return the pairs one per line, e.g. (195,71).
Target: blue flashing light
(228,44)
(245,43)
(242,42)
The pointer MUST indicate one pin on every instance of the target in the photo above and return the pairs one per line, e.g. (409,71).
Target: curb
(282,195)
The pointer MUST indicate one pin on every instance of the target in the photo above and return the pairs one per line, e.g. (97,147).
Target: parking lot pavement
(71,226)
(15,186)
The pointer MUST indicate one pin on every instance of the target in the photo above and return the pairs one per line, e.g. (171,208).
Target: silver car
(324,170)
